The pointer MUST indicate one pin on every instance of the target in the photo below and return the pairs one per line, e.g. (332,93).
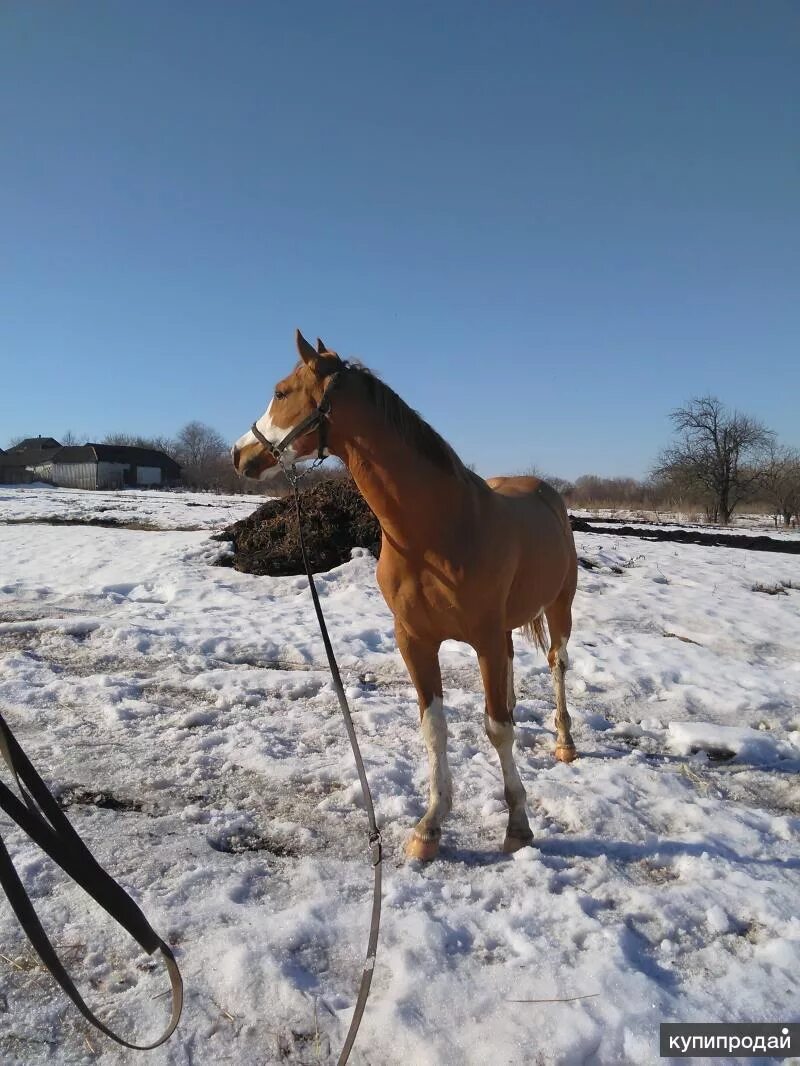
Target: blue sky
(546,225)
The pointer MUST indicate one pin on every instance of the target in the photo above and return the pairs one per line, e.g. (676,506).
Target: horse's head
(295,400)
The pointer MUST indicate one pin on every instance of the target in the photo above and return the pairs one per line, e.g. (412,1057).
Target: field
(183,713)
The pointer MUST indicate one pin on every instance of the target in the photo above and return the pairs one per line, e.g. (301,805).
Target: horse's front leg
(422,660)
(495,662)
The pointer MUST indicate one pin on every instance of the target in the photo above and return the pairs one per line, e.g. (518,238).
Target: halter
(317,418)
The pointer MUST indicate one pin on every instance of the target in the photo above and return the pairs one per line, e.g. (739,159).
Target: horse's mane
(410,426)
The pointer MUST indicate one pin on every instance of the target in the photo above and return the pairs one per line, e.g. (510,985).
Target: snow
(184,713)
(749,525)
(159,508)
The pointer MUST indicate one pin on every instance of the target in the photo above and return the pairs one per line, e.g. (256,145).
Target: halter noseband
(317,418)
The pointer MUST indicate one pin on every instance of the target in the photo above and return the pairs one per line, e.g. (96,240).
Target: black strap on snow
(374,833)
(46,824)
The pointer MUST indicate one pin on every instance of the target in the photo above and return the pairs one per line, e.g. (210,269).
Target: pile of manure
(335,520)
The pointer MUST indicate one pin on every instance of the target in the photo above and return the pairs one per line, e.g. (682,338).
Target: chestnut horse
(461,558)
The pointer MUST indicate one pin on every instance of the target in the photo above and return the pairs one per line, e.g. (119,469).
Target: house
(32,444)
(16,464)
(108,466)
(87,466)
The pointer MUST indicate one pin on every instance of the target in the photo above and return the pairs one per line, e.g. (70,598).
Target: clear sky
(545,224)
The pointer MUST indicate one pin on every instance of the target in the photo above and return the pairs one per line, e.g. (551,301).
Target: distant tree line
(719,461)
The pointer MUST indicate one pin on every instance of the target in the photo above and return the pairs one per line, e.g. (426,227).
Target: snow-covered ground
(184,713)
(745,524)
(161,509)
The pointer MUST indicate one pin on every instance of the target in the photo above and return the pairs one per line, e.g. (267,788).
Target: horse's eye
(280,394)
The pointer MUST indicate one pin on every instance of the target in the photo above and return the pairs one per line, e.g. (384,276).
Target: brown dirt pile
(335,520)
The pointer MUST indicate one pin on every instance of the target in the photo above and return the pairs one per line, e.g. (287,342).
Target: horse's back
(515,486)
(535,516)
(539,513)
(532,489)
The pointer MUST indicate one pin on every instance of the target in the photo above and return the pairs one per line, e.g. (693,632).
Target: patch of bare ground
(689,536)
(779,589)
(93,520)
(73,795)
(777,793)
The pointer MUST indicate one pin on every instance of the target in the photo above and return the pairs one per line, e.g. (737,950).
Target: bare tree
(203,454)
(590,489)
(134,440)
(560,484)
(717,454)
(198,444)
(780,480)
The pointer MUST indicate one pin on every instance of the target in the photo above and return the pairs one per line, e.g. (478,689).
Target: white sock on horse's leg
(425,840)
(434,731)
(501,735)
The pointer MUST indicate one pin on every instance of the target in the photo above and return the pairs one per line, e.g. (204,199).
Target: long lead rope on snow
(374,832)
(46,824)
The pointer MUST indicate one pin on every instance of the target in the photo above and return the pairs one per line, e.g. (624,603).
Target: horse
(462,558)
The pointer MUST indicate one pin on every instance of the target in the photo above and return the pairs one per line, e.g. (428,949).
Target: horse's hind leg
(422,660)
(494,663)
(559,622)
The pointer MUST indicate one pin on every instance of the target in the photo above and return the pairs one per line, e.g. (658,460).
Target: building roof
(35,444)
(28,457)
(44,452)
(116,453)
(123,453)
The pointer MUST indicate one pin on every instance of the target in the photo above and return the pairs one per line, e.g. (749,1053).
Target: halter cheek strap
(317,419)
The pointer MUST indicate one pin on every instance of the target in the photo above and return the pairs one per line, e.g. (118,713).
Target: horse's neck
(415,501)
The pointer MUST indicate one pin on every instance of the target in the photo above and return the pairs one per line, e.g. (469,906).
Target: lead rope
(46,824)
(374,832)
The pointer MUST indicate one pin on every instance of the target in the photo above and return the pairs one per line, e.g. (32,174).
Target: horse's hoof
(512,844)
(424,847)
(566,752)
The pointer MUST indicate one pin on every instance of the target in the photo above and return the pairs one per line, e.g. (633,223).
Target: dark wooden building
(87,466)
(108,466)
(16,464)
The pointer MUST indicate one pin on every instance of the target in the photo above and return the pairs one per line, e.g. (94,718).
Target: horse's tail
(536,631)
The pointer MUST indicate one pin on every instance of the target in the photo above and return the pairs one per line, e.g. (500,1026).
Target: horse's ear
(304,349)
(321,346)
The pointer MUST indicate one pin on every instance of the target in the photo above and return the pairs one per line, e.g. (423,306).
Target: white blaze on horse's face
(248,447)
(274,433)
(268,427)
